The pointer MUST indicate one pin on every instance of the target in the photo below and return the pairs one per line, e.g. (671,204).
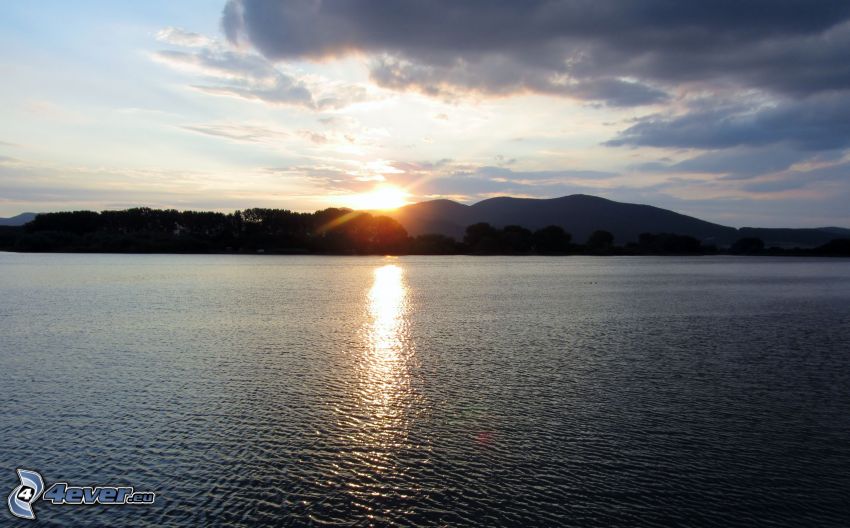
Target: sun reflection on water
(384,394)
(386,375)
(376,417)
(387,307)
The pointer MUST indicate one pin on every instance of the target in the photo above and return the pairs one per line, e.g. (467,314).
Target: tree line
(329,231)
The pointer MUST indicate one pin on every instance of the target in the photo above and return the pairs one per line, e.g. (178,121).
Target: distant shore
(342,232)
(624,252)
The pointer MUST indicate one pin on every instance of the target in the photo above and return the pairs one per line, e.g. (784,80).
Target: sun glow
(381,198)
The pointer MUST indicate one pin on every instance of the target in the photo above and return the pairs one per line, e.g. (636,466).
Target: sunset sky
(735,112)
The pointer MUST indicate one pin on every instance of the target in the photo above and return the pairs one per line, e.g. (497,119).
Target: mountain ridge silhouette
(17,220)
(581,214)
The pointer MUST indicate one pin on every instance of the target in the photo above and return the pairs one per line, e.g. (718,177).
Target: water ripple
(309,391)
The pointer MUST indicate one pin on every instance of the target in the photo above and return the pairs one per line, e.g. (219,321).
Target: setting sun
(383,197)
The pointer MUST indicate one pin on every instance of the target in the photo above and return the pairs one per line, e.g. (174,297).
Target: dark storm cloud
(815,123)
(754,87)
(621,53)
(742,163)
(793,180)
(497,75)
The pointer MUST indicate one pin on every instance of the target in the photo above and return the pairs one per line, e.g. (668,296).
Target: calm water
(577,391)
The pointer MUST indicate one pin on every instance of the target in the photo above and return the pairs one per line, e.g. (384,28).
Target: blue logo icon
(22,497)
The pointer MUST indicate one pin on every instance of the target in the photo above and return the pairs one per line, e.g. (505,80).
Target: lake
(420,391)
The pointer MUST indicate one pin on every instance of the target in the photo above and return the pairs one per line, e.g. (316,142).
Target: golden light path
(385,401)
(387,337)
(386,307)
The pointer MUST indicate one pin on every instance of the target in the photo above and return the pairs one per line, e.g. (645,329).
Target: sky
(737,112)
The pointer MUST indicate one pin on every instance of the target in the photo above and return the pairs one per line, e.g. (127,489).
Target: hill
(582,214)
(17,220)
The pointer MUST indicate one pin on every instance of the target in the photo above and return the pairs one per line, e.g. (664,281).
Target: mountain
(582,214)
(17,220)
(837,231)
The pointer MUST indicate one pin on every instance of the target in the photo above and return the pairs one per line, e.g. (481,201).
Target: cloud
(28,186)
(240,75)
(495,75)
(239,132)
(545,175)
(619,53)
(735,163)
(753,87)
(328,177)
(447,178)
(820,122)
(478,182)
(618,92)
(181,37)
(236,73)
(801,179)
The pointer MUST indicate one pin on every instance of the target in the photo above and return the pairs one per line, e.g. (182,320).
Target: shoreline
(791,253)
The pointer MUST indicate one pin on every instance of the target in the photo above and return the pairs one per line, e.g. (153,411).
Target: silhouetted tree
(836,247)
(515,239)
(481,237)
(747,245)
(668,243)
(551,239)
(600,240)
(9,235)
(333,230)
(388,236)
(78,222)
(433,245)
(346,231)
